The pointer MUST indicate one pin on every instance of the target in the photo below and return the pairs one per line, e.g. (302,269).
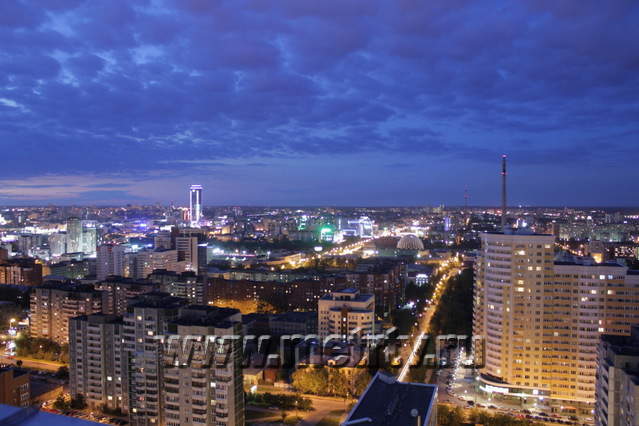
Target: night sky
(304,102)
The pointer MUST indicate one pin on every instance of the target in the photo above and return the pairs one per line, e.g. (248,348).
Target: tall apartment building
(540,319)
(119,362)
(187,252)
(119,292)
(207,390)
(142,362)
(58,244)
(110,261)
(149,260)
(588,299)
(74,235)
(346,312)
(163,241)
(53,304)
(95,360)
(617,394)
(81,236)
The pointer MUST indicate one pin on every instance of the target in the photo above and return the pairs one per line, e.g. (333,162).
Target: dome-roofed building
(410,242)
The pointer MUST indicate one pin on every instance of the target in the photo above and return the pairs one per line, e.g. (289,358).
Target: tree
(62,373)
(311,380)
(61,403)
(450,416)
(361,379)
(78,402)
(337,383)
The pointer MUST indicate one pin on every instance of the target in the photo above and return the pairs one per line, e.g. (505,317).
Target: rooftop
(100,318)
(389,402)
(565,258)
(157,299)
(347,295)
(204,315)
(17,372)
(519,231)
(10,416)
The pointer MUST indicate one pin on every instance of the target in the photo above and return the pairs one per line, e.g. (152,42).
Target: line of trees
(40,348)
(284,402)
(331,381)
(455,312)
(455,416)
(66,402)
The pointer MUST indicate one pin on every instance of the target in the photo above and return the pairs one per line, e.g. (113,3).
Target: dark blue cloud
(184,88)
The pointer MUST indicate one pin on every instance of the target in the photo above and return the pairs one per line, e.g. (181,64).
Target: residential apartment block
(540,319)
(346,312)
(95,360)
(617,391)
(53,304)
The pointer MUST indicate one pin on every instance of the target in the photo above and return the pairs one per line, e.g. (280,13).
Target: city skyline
(372,104)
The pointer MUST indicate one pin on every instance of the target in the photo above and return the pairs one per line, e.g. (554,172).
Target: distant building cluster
(555,299)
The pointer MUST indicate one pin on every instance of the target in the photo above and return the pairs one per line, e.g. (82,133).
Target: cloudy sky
(295,102)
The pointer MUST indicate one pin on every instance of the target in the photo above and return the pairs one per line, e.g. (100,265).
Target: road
(322,406)
(36,364)
(413,347)
(341,250)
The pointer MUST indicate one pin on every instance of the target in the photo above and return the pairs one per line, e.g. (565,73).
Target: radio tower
(466,197)
(503,192)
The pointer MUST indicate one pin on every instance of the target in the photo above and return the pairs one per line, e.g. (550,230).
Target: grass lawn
(258,415)
(329,421)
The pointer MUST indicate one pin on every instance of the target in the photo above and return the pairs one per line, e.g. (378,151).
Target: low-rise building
(14,387)
(387,402)
(21,271)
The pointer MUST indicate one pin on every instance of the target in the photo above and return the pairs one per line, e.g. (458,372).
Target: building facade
(110,261)
(142,362)
(346,312)
(539,319)
(617,391)
(209,388)
(187,285)
(20,271)
(52,305)
(148,261)
(14,387)
(195,205)
(95,358)
(119,292)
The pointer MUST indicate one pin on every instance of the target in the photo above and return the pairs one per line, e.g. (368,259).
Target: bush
(62,373)
(281,401)
(61,403)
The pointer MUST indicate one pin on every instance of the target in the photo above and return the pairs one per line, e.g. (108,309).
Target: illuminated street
(422,325)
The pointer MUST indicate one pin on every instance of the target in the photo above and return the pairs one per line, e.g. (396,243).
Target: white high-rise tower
(195,206)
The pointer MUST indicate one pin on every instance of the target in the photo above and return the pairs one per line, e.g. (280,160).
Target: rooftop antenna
(503,192)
